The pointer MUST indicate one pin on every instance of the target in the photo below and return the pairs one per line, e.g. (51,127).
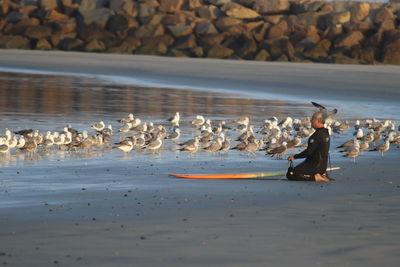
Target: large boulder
(260,33)
(147,8)
(64,27)
(69,44)
(99,16)
(14,42)
(180,30)
(278,30)
(360,11)
(27,10)
(271,6)
(277,47)
(348,40)
(186,42)
(92,32)
(205,28)
(38,32)
(223,24)
(383,14)
(95,46)
(53,16)
(192,4)
(208,12)
(218,51)
(43,44)
(170,6)
(211,39)
(128,46)
(391,53)
(150,30)
(49,4)
(20,27)
(91,4)
(118,24)
(235,10)
(174,19)
(320,51)
(126,6)
(262,55)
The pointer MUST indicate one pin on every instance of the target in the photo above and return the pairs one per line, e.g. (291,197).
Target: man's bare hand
(290,158)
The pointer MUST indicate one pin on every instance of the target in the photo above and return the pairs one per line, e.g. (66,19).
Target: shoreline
(339,82)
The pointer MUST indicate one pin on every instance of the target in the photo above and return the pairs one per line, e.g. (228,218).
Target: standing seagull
(175,119)
(125,146)
(382,148)
(278,150)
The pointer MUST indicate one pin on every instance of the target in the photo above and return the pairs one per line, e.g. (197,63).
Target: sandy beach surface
(129,212)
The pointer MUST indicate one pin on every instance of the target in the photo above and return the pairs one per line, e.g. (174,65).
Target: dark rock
(278,30)
(71,44)
(208,12)
(92,32)
(205,28)
(238,11)
(360,11)
(99,16)
(383,14)
(262,55)
(63,27)
(348,40)
(218,51)
(38,32)
(150,30)
(43,44)
(14,42)
(277,47)
(49,4)
(186,42)
(118,24)
(170,6)
(225,23)
(271,6)
(179,31)
(128,46)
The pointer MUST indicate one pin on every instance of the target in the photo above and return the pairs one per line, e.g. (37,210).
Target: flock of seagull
(275,137)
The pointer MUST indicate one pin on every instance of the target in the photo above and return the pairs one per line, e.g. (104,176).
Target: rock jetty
(264,30)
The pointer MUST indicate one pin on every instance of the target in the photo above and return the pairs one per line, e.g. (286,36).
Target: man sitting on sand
(313,168)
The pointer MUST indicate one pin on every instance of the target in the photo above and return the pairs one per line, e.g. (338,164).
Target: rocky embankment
(266,30)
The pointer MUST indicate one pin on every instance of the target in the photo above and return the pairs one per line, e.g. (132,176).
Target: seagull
(382,148)
(244,120)
(126,127)
(200,120)
(4,148)
(176,133)
(191,148)
(154,145)
(125,120)
(278,150)
(175,119)
(226,144)
(214,146)
(296,141)
(125,146)
(98,126)
(353,153)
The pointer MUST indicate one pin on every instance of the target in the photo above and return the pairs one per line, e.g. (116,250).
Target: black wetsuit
(316,156)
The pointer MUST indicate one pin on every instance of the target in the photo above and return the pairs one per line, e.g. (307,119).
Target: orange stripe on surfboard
(236,175)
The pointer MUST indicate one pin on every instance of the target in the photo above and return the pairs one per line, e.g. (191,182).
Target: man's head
(318,120)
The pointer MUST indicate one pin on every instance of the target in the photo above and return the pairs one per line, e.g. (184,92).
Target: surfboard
(236,175)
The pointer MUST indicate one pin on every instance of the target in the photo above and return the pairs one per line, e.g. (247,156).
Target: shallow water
(49,102)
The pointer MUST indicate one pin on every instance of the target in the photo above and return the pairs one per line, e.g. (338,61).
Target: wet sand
(131,213)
